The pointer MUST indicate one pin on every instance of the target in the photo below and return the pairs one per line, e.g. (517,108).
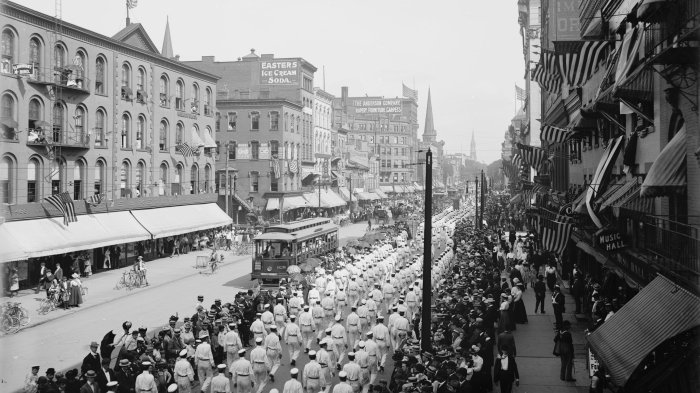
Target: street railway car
(283,245)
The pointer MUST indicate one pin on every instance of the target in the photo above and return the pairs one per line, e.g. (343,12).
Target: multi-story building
(322,144)
(91,115)
(265,106)
(386,130)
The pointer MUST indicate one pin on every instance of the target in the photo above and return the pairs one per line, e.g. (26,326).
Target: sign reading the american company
(376,106)
(279,72)
(610,240)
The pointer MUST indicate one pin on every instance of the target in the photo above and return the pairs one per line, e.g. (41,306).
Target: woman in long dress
(519,312)
(76,295)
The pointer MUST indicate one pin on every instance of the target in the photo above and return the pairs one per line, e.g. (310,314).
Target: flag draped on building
(95,200)
(547,81)
(556,233)
(293,166)
(185,149)
(520,94)
(533,156)
(276,171)
(409,93)
(553,134)
(579,59)
(64,204)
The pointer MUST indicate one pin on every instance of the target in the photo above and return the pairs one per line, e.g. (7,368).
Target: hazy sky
(468,52)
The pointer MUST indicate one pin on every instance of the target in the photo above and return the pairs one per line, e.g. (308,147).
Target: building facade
(322,140)
(88,114)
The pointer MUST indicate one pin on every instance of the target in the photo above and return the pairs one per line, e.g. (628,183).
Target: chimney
(344,95)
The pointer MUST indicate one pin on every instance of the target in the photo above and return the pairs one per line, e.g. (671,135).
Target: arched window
(100,75)
(207,178)
(180,95)
(7,180)
(80,122)
(35,113)
(177,182)
(163,179)
(164,85)
(33,180)
(194,179)
(78,176)
(140,178)
(140,132)
(58,175)
(100,128)
(163,132)
(194,105)
(125,179)
(255,121)
(126,131)
(8,51)
(179,133)
(126,81)
(141,79)
(35,54)
(98,187)
(207,103)
(81,67)
(8,117)
(59,118)
(59,56)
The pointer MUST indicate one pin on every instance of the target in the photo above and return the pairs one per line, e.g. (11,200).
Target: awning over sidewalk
(381,193)
(10,250)
(386,188)
(418,187)
(208,140)
(367,196)
(290,202)
(329,199)
(667,174)
(660,311)
(175,220)
(48,236)
(344,193)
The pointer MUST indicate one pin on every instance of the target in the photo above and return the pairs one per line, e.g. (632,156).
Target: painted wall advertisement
(564,20)
(264,151)
(279,72)
(243,152)
(376,106)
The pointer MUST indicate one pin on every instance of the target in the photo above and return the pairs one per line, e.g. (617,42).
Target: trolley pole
(426,338)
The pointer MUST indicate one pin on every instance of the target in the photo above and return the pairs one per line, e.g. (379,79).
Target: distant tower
(429,133)
(472,151)
(167,50)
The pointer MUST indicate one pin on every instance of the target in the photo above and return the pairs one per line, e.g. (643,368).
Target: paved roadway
(61,339)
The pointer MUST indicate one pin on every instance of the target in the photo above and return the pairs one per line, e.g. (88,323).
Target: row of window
(130,184)
(382,139)
(387,177)
(65,128)
(396,163)
(78,68)
(251,150)
(381,127)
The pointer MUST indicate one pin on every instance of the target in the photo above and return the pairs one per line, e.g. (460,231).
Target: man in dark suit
(540,291)
(58,274)
(91,385)
(558,306)
(91,361)
(506,339)
(505,371)
(105,375)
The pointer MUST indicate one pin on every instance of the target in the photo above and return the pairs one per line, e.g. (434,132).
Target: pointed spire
(429,133)
(472,151)
(167,50)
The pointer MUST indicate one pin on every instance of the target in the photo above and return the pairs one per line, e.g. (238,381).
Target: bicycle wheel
(22,315)
(15,325)
(44,307)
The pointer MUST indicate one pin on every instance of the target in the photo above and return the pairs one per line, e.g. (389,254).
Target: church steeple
(429,133)
(167,50)
(472,151)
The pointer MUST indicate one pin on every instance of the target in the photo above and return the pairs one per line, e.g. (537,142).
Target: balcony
(70,79)
(58,137)
(674,246)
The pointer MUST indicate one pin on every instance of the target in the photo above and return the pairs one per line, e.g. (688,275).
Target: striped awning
(418,186)
(380,193)
(633,202)
(602,173)
(661,310)
(344,193)
(619,194)
(667,174)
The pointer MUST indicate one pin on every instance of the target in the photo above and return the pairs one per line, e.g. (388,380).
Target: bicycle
(47,305)
(128,281)
(15,309)
(9,324)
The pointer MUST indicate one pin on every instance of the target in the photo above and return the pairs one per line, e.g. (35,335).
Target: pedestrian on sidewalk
(540,291)
(507,340)
(42,277)
(558,306)
(505,371)
(566,352)
(14,282)
(176,247)
(551,273)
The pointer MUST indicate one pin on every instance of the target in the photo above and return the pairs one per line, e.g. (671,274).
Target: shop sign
(375,106)
(593,364)
(279,72)
(610,240)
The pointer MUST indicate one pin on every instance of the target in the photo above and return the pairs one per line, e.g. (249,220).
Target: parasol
(313,262)
(306,268)
(364,244)
(296,277)
(293,269)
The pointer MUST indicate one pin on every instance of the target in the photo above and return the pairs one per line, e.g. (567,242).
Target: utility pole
(227,185)
(483,195)
(350,189)
(426,335)
(476,202)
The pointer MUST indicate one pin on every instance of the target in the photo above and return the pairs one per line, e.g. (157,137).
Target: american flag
(556,233)
(578,60)
(276,167)
(131,4)
(95,200)
(293,166)
(534,156)
(409,93)
(520,93)
(64,204)
(185,149)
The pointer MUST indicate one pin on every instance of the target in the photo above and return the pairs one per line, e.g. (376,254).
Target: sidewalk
(100,286)
(539,369)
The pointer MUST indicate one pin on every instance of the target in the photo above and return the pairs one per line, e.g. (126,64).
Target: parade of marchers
(346,327)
